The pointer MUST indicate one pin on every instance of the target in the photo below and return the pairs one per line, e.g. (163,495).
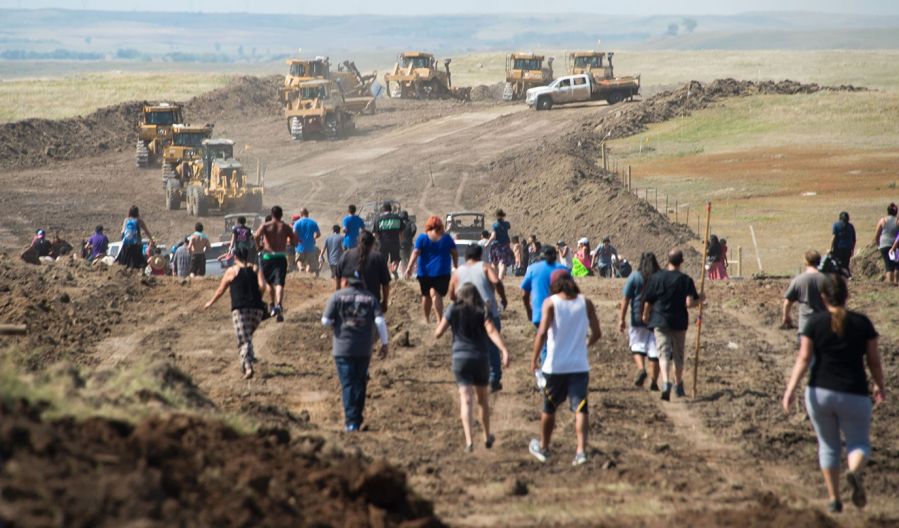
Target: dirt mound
(868,263)
(35,142)
(768,513)
(488,92)
(185,471)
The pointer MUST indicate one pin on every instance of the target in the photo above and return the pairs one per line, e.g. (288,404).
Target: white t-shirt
(566,346)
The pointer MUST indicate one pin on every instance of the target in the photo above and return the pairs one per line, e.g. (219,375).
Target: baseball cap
(294,217)
(584,241)
(41,233)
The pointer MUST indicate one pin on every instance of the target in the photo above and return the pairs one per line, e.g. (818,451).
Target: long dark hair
(242,254)
(836,292)
(714,249)
(472,311)
(649,264)
(366,243)
(565,284)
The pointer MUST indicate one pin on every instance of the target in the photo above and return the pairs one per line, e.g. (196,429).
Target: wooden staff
(705,255)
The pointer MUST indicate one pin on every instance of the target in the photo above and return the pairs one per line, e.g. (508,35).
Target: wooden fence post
(739,261)
(657,198)
(676,211)
(628,177)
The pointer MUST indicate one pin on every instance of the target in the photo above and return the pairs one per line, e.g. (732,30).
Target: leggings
(832,412)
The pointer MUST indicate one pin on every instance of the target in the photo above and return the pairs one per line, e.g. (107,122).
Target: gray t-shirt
(805,289)
(353,312)
(477,276)
(334,248)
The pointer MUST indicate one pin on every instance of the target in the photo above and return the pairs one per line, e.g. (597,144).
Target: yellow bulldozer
(417,76)
(319,108)
(184,147)
(154,131)
(605,85)
(356,86)
(214,179)
(526,70)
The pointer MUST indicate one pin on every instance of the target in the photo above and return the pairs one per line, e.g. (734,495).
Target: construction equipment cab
(154,131)
(606,86)
(525,71)
(320,108)
(185,145)
(416,76)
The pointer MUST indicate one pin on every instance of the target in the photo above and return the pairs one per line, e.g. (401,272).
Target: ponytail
(366,243)
(836,292)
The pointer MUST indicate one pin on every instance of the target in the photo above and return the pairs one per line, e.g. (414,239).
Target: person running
(437,257)
(666,297)
(474,335)
(565,255)
(407,242)
(485,278)
(242,237)
(842,246)
(353,313)
(536,285)
(582,265)
(715,260)
(388,228)
(307,232)
(501,251)
(369,265)
(805,289)
(352,224)
(274,236)
(884,236)
(520,262)
(835,347)
(97,245)
(245,282)
(563,333)
(181,259)
(332,249)
(641,339)
(604,257)
(198,244)
(131,255)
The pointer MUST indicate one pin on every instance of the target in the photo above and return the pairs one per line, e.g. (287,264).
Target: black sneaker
(859,498)
(835,506)
(496,386)
(279,314)
(679,390)
(640,379)
(654,387)
(666,392)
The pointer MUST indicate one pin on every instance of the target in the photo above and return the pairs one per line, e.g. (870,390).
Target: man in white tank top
(567,315)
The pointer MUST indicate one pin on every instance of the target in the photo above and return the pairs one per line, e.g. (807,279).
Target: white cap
(585,241)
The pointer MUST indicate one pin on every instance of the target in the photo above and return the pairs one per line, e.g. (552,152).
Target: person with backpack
(884,237)
(842,246)
(641,339)
(242,237)
(388,228)
(131,255)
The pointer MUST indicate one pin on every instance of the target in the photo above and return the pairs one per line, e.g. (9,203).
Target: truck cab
(564,90)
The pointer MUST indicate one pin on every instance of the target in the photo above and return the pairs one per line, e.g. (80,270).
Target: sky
(430,7)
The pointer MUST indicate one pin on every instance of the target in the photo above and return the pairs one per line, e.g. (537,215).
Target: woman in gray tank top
(885,237)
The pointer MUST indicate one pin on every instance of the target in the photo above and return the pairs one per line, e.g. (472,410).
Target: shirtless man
(274,236)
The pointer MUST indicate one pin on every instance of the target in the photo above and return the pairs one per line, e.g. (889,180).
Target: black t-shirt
(373,276)
(466,345)
(388,228)
(667,291)
(839,362)
(408,234)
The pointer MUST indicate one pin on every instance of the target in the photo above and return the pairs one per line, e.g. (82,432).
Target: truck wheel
(172,195)
(332,127)
(544,103)
(202,204)
(295,125)
(142,155)
(508,92)
(615,98)
(396,91)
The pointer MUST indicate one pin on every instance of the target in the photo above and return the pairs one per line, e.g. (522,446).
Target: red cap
(294,218)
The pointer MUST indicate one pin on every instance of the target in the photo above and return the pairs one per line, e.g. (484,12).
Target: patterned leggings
(246,320)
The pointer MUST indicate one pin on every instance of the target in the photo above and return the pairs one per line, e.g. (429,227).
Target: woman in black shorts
(436,255)
(472,328)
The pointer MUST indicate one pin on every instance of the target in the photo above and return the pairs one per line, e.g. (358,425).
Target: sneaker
(279,314)
(535,450)
(654,387)
(489,442)
(835,506)
(579,459)
(640,379)
(271,310)
(859,498)
(666,392)
(496,386)
(352,428)
(679,390)
(469,448)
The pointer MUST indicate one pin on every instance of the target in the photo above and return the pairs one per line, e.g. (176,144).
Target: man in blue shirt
(307,233)
(535,286)
(352,224)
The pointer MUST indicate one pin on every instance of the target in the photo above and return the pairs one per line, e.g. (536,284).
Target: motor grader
(416,76)
(605,85)
(214,180)
(523,71)
(184,146)
(319,108)
(355,85)
(154,131)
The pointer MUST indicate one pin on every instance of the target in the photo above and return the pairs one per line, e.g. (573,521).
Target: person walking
(567,315)
(307,232)
(486,279)
(641,339)
(535,286)
(437,257)
(332,249)
(474,335)
(407,242)
(842,246)
(369,265)
(805,289)
(274,236)
(500,244)
(131,255)
(388,229)
(354,313)
(666,297)
(520,257)
(884,236)
(245,282)
(715,260)
(242,237)
(198,244)
(97,245)
(604,257)
(352,224)
(181,259)
(835,346)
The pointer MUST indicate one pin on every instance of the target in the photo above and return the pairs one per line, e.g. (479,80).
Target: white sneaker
(534,449)
(579,459)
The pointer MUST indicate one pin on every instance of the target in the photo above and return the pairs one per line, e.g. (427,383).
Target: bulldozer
(416,76)
(605,85)
(154,131)
(214,179)
(523,71)
(355,85)
(184,146)
(319,108)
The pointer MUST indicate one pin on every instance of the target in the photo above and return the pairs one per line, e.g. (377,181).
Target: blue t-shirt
(633,290)
(501,230)
(536,282)
(306,229)
(434,258)
(845,235)
(352,224)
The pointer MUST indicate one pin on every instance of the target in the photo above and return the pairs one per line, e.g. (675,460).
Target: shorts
(438,284)
(274,269)
(502,254)
(643,342)
(889,264)
(470,371)
(671,343)
(561,386)
(334,269)
(198,264)
(390,250)
(308,258)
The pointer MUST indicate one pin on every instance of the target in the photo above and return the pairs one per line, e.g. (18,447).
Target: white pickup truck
(579,88)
